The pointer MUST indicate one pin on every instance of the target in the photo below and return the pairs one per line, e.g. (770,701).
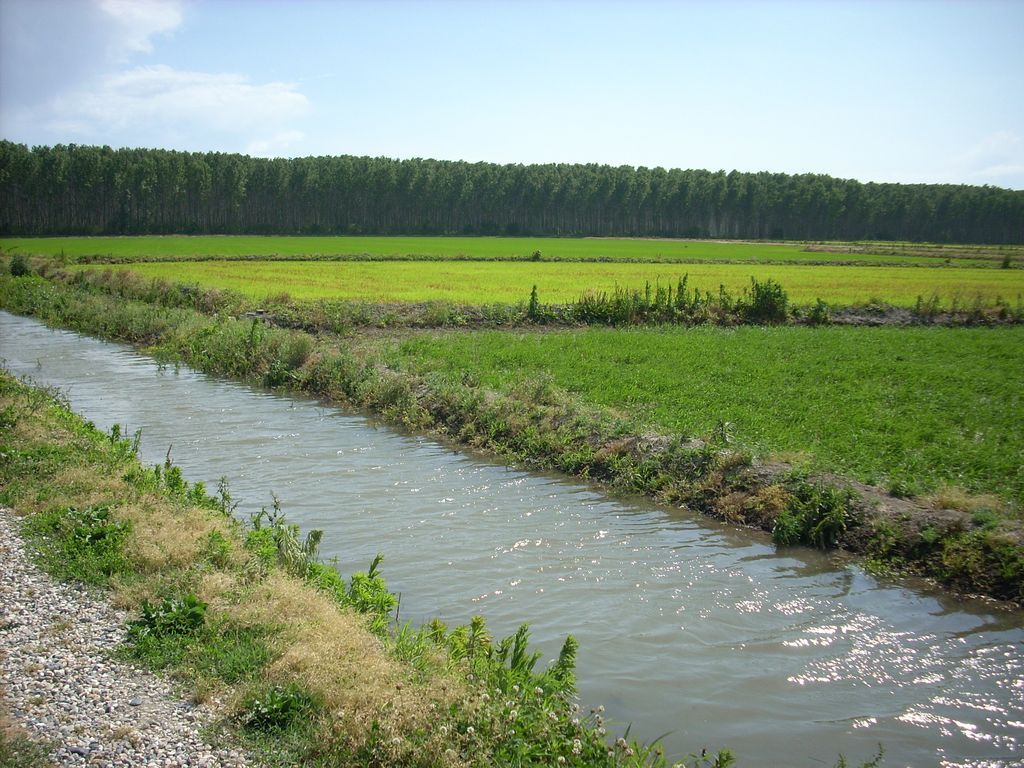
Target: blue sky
(877,91)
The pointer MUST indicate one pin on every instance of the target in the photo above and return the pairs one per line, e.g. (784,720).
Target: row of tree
(69,189)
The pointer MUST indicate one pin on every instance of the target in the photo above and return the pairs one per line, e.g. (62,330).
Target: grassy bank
(311,667)
(912,409)
(500,248)
(969,543)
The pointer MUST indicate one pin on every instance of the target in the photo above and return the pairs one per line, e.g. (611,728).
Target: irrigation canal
(687,627)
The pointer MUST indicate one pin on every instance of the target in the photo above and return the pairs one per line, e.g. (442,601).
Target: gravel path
(58,681)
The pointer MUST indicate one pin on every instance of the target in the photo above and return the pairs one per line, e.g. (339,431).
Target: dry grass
(951,497)
(329,651)
(82,487)
(165,536)
(219,590)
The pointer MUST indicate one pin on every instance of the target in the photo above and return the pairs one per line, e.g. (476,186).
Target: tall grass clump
(18,265)
(767,303)
(817,515)
(763,303)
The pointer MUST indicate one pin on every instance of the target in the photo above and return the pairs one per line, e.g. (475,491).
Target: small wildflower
(610,754)
(538,690)
(601,708)
(601,731)
(513,714)
(511,731)
(621,743)
(444,730)
(470,731)
(484,697)
(561,760)
(576,721)
(574,707)
(552,715)
(515,688)
(577,746)
(629,751)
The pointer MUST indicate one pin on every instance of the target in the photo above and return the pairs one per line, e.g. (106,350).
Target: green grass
(79,545)
(511,282)
(578,249)
(921,407)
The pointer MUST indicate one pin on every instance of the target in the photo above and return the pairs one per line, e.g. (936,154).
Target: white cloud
(139,20)
(223,101)
(68,74)
(162,106)
(49,47)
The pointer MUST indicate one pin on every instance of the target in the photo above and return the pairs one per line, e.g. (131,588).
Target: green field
(574,249)
(917,407)
(467,282)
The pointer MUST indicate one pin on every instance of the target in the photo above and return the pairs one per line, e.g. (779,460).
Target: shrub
(816,515)
(819,314)
(19,266)
(768,302)
(181,616)
(276,707)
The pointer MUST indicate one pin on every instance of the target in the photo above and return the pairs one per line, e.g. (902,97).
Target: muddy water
(690,628)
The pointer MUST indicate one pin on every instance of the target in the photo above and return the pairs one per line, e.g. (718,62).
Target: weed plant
(817,515)
(84,545)
(763,303)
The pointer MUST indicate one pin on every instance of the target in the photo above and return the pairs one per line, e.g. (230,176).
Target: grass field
(579,249)
(509,282)
(917,408)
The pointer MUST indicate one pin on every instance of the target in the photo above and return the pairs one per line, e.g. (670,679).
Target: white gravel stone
(60,683)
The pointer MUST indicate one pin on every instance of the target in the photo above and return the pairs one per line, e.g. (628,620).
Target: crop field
(467,282)
(910,408)
(504,248)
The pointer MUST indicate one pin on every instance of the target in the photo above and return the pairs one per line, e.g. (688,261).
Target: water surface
(686,626)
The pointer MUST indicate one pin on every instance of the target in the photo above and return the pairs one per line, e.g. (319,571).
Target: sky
(877,91)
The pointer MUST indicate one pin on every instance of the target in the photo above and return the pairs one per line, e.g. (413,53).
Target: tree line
(89,190)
